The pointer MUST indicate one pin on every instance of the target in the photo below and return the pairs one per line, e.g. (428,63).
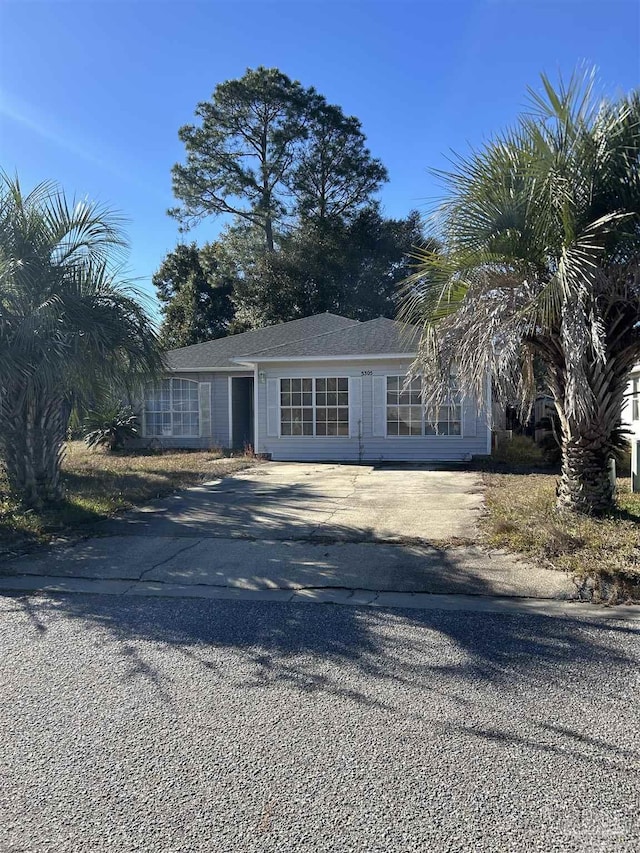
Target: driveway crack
(329,519)
(157,565)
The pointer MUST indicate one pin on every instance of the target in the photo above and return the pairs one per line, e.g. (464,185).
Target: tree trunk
(589,407)
(585,486)
(266,201)
(268,230)
(28,488)
(32,447)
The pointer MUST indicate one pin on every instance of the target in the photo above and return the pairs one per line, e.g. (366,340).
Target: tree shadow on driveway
(373,658)
(259,506)
(256,534)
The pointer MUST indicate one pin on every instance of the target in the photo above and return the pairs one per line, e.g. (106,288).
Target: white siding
(368,447)
(633,425)
(355,406)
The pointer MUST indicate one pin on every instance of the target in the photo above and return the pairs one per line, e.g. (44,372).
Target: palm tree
(539,265)
(69,327)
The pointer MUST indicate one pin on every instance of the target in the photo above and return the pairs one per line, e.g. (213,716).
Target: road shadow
(307,645)
(373,658)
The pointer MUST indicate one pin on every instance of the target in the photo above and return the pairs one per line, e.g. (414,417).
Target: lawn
(520,517)
(99,484)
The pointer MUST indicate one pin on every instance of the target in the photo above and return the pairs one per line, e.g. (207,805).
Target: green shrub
(519,450)
(110,426)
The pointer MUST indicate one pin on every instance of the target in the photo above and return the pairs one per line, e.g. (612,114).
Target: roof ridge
(273,326)
(360,323)
(308,338)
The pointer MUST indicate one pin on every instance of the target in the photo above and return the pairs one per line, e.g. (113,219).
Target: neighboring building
(506,421)
(323,388)
(631,420)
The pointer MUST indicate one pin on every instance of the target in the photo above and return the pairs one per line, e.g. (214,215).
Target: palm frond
(69,320)
(539,245)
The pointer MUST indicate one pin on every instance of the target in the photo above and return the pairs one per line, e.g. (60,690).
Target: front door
(241,412)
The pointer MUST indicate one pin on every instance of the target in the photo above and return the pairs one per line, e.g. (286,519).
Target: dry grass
(99,484)
(521,517)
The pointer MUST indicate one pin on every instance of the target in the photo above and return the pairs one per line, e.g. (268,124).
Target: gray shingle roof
(219,353)
(374,337)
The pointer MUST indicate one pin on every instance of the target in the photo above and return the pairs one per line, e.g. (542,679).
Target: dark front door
(242,412)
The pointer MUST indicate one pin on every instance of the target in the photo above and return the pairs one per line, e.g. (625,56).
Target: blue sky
(92,93)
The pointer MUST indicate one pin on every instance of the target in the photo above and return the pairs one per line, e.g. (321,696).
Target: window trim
(313,378)
(171,380)
(422,434)
(635,399)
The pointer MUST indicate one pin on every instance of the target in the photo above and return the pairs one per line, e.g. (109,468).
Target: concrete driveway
(305,526)
(302,501)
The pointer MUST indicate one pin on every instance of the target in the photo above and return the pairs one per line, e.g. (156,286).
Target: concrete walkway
(288,526)
(570,609)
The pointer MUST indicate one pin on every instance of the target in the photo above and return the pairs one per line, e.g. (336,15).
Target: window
(332,406)
(404,406)
(314,406)
(635,399)
(406,414)
(296,406)
(171,409)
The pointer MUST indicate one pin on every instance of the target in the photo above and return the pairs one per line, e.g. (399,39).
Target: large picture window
(406,414)
(171,408)
(314,406)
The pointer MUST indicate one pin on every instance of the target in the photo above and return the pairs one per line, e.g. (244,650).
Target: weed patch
(520,516)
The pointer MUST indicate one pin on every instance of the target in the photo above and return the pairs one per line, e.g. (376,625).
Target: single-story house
(322,388)
(631,421)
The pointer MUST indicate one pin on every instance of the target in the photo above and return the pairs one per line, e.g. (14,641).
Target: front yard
(520,517)
(99,484)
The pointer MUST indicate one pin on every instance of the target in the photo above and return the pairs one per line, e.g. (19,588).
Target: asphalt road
(193,725)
